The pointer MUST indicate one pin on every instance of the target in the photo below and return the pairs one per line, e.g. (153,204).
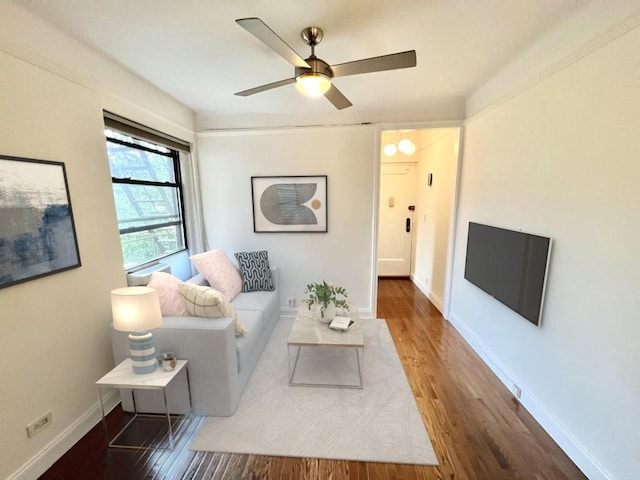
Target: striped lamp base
(142,349)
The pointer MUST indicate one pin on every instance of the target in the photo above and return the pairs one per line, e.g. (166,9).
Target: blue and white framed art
(37,232)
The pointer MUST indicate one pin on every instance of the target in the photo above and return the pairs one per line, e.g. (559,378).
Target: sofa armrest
(210,346)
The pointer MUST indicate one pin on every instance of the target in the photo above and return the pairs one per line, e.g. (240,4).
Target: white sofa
(220,364)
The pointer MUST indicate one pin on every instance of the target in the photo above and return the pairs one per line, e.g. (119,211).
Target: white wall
(54,334)
(561,159)
(432,217)
(347,155)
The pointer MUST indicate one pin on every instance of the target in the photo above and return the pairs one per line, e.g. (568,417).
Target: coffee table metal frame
(307,332)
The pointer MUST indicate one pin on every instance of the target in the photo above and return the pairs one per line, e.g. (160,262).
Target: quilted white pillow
(219,272)
(171,302)
(204,301)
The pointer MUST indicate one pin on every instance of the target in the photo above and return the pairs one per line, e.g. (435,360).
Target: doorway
(398,190)
(419,171)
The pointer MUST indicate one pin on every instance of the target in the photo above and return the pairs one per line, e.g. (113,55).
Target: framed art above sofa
(289,204)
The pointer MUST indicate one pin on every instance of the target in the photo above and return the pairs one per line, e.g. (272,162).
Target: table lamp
(137,310)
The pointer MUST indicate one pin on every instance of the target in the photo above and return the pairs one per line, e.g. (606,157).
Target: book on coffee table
(341,323)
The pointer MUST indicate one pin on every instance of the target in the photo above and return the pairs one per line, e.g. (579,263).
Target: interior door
(395,219)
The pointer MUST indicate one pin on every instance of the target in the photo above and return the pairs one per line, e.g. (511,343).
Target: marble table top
(123,376)
(307,331)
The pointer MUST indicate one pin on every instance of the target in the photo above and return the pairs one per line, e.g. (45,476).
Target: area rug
(380,423)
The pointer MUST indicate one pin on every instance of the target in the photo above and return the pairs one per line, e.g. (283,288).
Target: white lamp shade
(390,149)
(135,309)
(406,146)
(313,84)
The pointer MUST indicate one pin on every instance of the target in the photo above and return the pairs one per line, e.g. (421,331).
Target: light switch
(391,201)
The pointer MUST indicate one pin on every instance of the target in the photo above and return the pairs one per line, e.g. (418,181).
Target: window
(148,197)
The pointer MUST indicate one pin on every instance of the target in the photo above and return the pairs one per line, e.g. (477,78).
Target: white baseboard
(560,434)
(40,463)
(433,298)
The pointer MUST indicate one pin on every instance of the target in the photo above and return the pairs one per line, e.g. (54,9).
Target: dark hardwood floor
(479,431)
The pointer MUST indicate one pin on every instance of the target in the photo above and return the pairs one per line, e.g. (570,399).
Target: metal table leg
(294,365)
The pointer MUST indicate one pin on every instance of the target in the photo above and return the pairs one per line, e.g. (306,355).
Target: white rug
(379,423)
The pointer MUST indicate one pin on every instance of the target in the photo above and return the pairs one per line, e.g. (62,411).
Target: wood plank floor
(477,428)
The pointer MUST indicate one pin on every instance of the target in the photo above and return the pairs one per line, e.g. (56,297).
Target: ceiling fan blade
(336,97)
(262,32)
(376,64)
(263,88)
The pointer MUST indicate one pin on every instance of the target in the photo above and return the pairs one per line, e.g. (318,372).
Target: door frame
(381,127)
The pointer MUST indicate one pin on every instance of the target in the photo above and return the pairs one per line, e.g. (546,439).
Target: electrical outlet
(516,391)
(39,423)
(292,302)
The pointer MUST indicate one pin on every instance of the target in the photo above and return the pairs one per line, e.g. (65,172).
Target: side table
(123,376)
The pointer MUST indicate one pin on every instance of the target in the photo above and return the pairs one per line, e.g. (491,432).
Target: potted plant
(324,296)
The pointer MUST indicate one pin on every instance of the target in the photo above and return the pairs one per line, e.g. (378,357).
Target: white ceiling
(194,51)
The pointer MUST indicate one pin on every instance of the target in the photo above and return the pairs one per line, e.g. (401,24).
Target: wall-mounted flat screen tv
(510,266)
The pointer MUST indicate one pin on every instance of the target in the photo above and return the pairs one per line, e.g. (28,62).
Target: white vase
(329,313)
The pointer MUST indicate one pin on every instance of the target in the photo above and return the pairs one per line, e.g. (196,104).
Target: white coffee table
(309,333)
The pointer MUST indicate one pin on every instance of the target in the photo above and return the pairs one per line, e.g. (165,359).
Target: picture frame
(289,204)
(37,230)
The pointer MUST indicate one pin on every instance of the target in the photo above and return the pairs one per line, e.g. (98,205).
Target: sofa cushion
(266,302)
(199,279)
(171,302)
(208,302)
(219,272)
(255,271)
(246,345)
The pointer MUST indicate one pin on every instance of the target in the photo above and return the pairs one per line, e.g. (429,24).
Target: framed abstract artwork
(289,204)
(37,233)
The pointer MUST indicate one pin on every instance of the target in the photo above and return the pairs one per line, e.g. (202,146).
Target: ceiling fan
(313,76)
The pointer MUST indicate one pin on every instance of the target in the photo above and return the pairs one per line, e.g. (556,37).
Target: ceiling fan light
(406,146)
(313,84)
(390,149)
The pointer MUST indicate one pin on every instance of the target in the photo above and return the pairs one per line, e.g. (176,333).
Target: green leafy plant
(323,294)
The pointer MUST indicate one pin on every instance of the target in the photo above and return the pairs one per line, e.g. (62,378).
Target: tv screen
(511,266)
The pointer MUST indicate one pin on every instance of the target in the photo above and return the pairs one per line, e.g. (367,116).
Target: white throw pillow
(171,302)
(204,301)
(219,272)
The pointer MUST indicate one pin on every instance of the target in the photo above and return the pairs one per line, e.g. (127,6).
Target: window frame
(174,155)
